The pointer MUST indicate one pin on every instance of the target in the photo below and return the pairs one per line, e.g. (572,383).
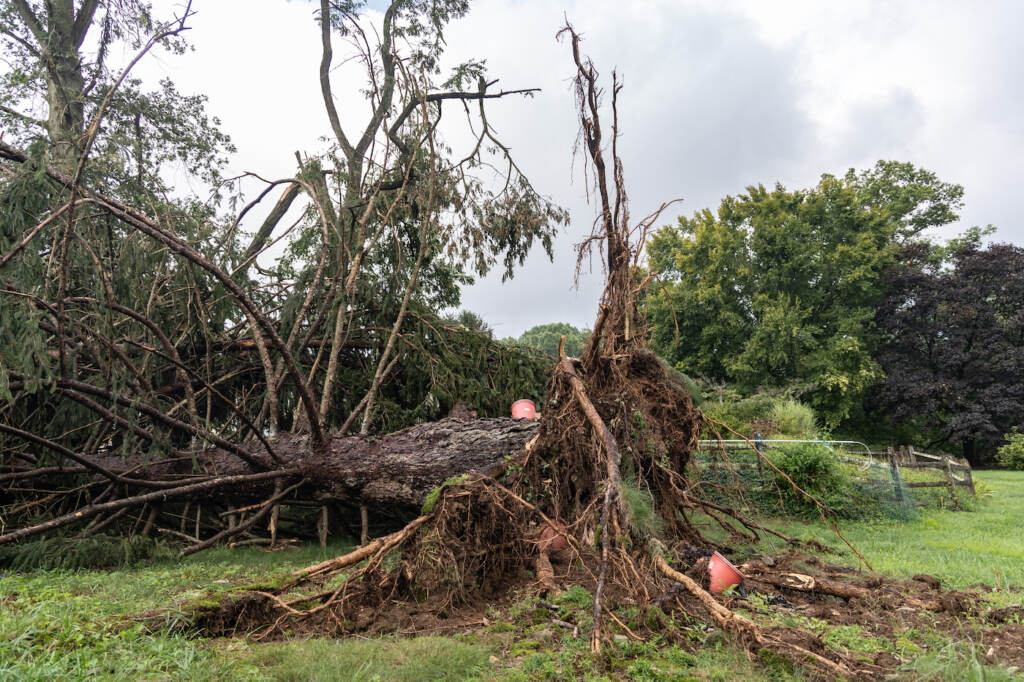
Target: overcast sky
(718,96)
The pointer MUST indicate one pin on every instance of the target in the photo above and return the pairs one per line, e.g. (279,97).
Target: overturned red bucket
(524,409)
(723,574)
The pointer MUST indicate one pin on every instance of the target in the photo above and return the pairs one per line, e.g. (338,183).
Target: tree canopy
(953,344)
(778,288)
(546,337)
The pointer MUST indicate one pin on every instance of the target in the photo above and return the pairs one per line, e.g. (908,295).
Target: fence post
(759,445)
(952,483)
(911,457)
(969,479)
(894,471)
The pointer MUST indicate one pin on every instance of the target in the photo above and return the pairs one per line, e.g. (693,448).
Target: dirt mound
(834,620)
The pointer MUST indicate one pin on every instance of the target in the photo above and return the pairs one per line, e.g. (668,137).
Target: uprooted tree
(600,491)
(153,367)
(158,377)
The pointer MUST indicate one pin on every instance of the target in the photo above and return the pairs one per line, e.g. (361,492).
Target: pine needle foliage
(76,553)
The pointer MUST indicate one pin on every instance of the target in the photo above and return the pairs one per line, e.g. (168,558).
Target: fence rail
(906,457)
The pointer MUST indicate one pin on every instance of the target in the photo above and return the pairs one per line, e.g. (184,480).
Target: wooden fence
(906,457)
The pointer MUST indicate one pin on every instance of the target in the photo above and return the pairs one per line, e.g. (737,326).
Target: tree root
(378,546)
(612,492)
(745,630)
(806,583)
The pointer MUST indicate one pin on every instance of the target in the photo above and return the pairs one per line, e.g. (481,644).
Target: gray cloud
(708,107)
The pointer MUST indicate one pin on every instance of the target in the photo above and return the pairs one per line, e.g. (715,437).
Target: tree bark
(394,470)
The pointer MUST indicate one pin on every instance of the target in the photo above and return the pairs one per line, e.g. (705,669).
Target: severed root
(726,619)
(835,588)
(380,544)
(744,628)
(807,583)
(546,574)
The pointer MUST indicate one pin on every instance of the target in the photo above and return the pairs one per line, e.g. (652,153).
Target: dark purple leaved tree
(953,348)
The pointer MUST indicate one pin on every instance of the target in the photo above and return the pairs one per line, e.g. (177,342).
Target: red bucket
(524,409)
(723,574)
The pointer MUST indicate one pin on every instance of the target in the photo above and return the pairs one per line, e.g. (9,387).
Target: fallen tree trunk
(393,470)
(401,468)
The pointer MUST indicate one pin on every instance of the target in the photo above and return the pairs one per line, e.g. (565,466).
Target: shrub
(740,414)
(815,469)
(793,418)
(1011,455)
(765,414)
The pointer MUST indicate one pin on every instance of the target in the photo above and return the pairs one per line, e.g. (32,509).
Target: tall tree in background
(60,69)
(547,337)
(778,288)
(953,345)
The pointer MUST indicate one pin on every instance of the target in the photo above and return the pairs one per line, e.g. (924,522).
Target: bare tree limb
(83,19)
(325,79)
(157,496)
(32,22)
(150,227)
(265,507)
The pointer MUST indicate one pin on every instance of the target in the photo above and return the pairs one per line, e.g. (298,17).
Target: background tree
(469,320)
(546,337)
(779,287)
(59,71)
(953,345)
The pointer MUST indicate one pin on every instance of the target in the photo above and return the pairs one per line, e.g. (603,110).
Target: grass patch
(957,662)
(959,548)
(74,625)
(401,660)
(640,504)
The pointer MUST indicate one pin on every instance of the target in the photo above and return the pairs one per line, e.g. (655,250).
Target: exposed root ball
(654,423)
(476,541)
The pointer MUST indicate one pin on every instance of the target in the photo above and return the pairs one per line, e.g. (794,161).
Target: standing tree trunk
(59,36)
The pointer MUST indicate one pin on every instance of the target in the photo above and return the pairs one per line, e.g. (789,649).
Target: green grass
(957,662)
(76,625)
(959,548)
(409,660)
(72,625)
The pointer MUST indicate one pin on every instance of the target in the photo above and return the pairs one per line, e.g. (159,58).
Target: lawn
(960,548)
(78,625)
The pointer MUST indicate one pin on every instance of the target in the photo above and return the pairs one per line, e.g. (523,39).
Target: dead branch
(265,507)
(158,496)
